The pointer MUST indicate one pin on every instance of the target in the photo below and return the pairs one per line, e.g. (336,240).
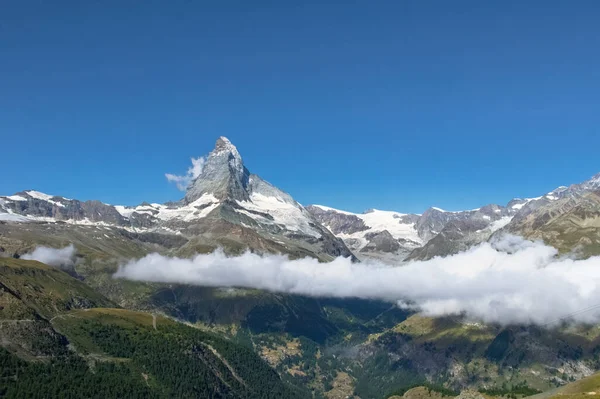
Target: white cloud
(510,280)
(63,258)
(193,171)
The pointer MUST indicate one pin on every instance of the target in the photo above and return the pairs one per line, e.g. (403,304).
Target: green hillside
(30,289)
(57,341)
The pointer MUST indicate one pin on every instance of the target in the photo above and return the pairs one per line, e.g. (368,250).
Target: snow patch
(377,221)
(163,212)
(39,195)
(44,197)
(124,211)
(11,217)
(326,208)
(289,215)
(500,223)
(444,211)
(207,202)
(16,198)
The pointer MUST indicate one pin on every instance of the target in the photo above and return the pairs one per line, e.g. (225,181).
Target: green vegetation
(514,392)
(68,377)
(443,391)
(58,342)
(32,290)
(120,354)
(586,388)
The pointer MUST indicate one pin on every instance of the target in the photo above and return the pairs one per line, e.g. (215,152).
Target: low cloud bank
(182,182)
(62,258)
(510,280)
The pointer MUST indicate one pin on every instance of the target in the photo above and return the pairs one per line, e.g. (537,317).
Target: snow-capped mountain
(374,233)
(225,205)
(34,206)
(396,236)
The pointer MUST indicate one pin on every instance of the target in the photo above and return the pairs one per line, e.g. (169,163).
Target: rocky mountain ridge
(397,237)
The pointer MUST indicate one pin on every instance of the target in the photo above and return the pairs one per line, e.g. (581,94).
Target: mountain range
(227,206)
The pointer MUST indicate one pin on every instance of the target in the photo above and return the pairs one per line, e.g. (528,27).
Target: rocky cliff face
(571,223)
(39,206)
(223,176)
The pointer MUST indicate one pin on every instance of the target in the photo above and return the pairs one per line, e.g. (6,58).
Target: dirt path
(17,321)
(226,363)
(546,394)
(69,314)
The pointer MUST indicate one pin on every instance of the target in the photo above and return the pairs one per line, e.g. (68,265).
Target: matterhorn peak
(223,175)
(224,145)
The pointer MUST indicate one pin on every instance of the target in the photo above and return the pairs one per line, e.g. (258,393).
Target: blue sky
(392,105)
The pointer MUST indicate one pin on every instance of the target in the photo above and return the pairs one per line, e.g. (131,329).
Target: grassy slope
(460,355)
(39,291)
(56,323)
(588,387)
(31,294)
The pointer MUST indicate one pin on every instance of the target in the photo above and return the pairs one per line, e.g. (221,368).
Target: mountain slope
(33,289)
(461,355)
(56,341)
(570,223)
(31,294)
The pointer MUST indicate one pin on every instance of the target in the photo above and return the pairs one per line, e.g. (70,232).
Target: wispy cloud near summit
(182,182)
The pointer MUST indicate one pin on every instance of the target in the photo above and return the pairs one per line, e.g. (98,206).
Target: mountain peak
(223,144)
(223,175)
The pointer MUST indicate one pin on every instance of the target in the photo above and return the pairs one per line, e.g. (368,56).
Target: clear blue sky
(375,104)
